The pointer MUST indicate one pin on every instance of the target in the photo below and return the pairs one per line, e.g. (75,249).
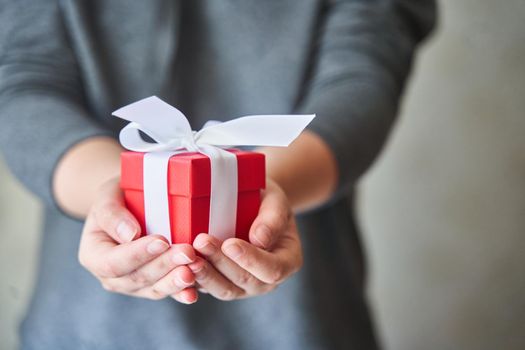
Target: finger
(210,248)
(107,259)
(112,216)
(154,270)
(215,283)
(273,217)
(202,290)
(178,279)
(186,296)
(269,267)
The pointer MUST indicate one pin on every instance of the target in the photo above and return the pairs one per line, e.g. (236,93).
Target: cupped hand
(144,267)
(237,269)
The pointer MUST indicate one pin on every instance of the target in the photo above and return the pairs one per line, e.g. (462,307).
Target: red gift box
(189,181)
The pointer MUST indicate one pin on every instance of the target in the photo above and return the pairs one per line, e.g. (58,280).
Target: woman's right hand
(146,267)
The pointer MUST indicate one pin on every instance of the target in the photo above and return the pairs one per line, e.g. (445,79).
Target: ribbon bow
(171,131)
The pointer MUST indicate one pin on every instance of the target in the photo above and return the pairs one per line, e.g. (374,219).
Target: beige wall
(19,239)
(443,210)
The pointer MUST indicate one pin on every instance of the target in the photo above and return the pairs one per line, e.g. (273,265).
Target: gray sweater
(65,65)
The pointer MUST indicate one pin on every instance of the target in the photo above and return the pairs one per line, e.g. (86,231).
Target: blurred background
(442,210)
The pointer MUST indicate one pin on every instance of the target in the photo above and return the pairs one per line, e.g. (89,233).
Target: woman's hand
(237,269)
(146,267)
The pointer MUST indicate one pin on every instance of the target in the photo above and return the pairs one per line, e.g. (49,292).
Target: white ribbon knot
(189,143)
(171,131)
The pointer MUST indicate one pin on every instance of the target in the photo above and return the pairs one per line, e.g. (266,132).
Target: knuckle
(226,294)
(109,269)
(277,275)
(248,262)
(135,258)
(164,262)
(245,278)
(106,214)
(157,294)
(137,277)
(103,212)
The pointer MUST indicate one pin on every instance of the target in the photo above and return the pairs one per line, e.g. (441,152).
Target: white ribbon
(171,131)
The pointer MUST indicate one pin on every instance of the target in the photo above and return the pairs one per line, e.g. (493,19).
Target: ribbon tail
(255,130)
(223,192)
(156,197)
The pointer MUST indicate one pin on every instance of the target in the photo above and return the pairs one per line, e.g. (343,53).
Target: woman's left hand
(237,269)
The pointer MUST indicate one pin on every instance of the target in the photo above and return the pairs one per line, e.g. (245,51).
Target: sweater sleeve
(42,113)
(362,59)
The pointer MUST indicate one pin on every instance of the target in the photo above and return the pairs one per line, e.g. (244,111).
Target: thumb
(111,215)
(273,218)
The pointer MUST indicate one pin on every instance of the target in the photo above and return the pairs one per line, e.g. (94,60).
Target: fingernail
(156,247)
(182,258)
(196,267)
(126,231)
(185,300)
(205,246)
(233,250)
(263,235)
(189,301)
(185,279)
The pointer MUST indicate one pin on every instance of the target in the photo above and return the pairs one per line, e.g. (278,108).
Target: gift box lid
(189,173)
